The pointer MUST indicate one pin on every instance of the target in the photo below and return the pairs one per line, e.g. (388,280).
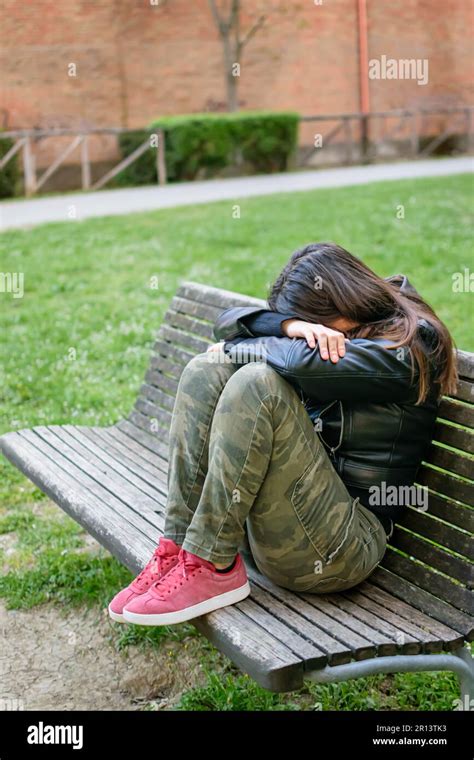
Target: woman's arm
(249,321)
(369,370)
(237,324)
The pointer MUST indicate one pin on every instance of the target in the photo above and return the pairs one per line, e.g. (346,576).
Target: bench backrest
(432,549)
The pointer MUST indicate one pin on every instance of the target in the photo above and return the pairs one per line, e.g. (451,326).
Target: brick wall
(136,61)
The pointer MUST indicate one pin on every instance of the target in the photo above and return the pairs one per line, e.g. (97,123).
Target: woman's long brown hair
(323,282)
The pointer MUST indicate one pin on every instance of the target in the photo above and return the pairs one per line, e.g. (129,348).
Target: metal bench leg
(460,662)
(466,678)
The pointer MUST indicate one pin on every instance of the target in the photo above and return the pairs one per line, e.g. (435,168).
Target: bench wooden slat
(157,397)
(434,556)
(465,362)
(423,600)
(184,340)
(152,481)
(190,325)
(427,637)
(334,651)
(329,618)
(134,449)
(96,515)
(383,632)
(155,425)
(151,412)
(446,535)
(136,422)
(253,649)
(450,461)
(309,651)
(157,379)
(169,351)
(331,635)
(142,436)
(454,411)
(219,297)
(410,638)
(458,438)
(464,391)
(111,473)
(196,309)
(407,613)
(451,512)
(149,465)
(131,504)
(97,450)
(379,631)
(414,640)
(326,613)
(446,484)
(425,578)
(166,366)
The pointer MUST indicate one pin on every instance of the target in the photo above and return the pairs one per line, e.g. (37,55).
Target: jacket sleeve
(249,321)
(370,370)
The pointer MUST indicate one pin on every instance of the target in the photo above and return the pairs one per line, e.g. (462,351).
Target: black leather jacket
(366,402)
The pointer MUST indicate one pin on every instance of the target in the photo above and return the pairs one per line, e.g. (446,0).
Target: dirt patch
(7,543)
(56,659)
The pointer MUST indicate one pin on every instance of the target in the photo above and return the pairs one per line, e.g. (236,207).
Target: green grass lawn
(76,346)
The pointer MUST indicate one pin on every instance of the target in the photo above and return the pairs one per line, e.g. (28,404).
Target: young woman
(289,433)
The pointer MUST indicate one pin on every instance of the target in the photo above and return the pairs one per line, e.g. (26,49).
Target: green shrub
(143,170)
(10,174)
(206,144)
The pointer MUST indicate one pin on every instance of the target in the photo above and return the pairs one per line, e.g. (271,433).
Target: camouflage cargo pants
(245,459)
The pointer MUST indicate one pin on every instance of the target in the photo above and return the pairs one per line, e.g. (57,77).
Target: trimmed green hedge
(10,174)
(250,141)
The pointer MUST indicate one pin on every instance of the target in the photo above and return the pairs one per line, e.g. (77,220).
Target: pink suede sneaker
(164,558)
(191,588)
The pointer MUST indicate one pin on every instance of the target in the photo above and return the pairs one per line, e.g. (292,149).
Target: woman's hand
(331,343)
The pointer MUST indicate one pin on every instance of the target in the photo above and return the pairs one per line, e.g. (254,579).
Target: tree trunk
(232,93)
(230,80)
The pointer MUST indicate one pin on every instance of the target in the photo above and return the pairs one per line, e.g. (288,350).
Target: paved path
(26,213)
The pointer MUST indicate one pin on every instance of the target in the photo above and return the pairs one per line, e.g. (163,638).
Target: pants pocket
(359,557)
(323,506)
(373,542)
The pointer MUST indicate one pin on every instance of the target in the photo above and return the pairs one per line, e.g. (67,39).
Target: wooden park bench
(415,612)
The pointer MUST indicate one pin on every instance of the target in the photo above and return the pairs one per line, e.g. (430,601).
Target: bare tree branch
(251,32)
(219,21)
(234,13)
(225,26)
